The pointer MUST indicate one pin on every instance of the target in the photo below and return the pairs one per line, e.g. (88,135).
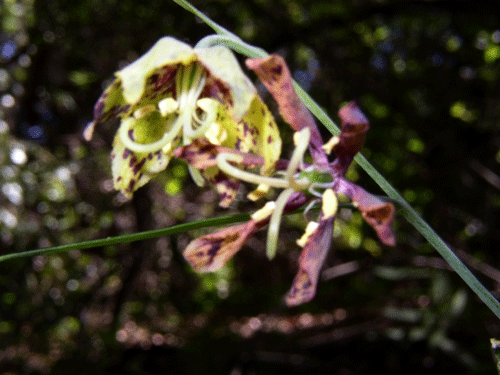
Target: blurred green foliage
(426,73)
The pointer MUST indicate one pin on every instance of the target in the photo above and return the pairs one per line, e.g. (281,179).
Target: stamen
(312,191)
(309,207)
(302,141)
(126,126)
(196,175)
(258,193)
(264,212)
(311,227)
(168,106)
(223,160)
(328,146)
(189,83)
(330,204)
(275,221)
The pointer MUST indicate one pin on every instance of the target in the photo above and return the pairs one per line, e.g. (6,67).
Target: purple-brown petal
(352,136)
(210,252)
(310,262)
(376,212)
(275,75)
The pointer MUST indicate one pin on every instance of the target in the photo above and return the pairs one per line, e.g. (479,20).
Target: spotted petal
(150,87)
(351,138)
(210,252)
(376,212)
(310,262)
(275,75)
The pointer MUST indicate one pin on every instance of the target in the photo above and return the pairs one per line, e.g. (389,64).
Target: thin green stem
(140,236)
(233,42)
(216,27)
(224,220)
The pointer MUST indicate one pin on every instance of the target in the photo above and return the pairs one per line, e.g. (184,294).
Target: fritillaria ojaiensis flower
(174,94)
(317,183)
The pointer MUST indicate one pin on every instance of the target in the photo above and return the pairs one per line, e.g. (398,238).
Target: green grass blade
(216,27)
(139,236)
(224,220)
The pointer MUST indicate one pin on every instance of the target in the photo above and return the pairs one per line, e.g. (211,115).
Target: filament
(275,221)
(223,160)
(296,159)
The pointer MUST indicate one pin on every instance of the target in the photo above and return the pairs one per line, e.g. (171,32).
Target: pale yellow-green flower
(174,94)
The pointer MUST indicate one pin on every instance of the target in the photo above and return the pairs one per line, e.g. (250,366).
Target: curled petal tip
(381,217)
(302,291)
(351,114)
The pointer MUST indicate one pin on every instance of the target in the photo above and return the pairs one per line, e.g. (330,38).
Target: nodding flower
(316,183)
(174,94)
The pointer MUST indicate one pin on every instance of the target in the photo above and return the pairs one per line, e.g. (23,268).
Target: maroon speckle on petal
(99,108)
(127,153)
(131,185)
(131,134)
(138,166)
(276,71)
(132,161)
(269,139)
(123,109)
(214,249)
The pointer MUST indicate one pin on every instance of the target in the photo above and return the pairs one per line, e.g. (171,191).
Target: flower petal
(211,252)
(235,116)
(351,138)
(310,262)
(251,127)
(377,213)
(150,74)
(226,81)
(132,170)
(274,74)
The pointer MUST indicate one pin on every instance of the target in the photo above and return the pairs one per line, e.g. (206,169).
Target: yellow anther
(330,204)
(264,212)
(167,106)
(328,146)
(296,138)
(258,193)
(216,134)
(311,227)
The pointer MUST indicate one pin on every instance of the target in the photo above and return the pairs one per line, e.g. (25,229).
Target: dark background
(426,74)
